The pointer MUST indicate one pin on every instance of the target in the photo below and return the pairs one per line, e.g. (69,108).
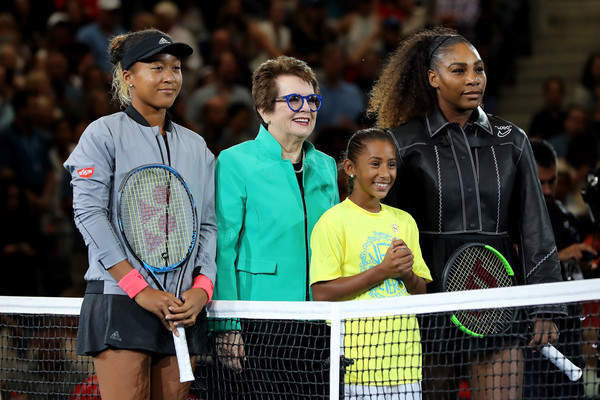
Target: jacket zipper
(306,243)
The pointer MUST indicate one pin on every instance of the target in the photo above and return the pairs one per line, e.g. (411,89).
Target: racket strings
(157,217)
(479,268)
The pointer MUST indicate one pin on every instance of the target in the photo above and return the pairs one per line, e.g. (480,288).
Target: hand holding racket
(157,218)
(477,266)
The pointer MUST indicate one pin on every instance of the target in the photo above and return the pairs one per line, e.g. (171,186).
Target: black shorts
(116,321)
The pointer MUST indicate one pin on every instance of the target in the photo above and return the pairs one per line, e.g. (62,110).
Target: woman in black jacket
(465,177)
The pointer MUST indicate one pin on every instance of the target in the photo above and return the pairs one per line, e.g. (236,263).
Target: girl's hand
(186,314)
(398,261)
(159,303)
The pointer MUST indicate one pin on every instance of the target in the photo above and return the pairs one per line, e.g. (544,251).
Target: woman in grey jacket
(126,321)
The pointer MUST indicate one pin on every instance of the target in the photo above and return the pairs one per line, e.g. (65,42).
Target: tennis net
(358,349)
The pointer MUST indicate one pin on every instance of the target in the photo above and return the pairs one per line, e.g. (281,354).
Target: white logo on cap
(163,41)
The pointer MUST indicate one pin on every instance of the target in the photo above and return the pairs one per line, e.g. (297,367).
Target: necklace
(301,163)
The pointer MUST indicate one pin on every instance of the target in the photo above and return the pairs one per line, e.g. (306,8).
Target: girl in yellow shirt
(362,249)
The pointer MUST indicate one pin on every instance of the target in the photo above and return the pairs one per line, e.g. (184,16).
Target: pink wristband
(202,282)
(133,283)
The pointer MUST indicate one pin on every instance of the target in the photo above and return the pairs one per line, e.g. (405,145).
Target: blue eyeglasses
(295,101)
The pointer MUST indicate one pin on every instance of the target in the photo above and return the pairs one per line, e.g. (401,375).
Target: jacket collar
(137,117)
(272,145)
(436,121)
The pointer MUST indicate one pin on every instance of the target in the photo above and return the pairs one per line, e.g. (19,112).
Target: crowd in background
(55,79)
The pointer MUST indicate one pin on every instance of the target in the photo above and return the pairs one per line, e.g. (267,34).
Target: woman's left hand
(193,302)
(544,331)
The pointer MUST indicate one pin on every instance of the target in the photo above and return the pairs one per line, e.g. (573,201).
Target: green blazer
(263,231)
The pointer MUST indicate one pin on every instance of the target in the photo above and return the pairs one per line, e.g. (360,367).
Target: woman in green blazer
(270,192)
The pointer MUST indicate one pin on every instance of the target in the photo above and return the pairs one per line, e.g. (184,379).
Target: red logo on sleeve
(85,172)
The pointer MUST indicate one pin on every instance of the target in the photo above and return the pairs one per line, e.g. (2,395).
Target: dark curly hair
(402,91)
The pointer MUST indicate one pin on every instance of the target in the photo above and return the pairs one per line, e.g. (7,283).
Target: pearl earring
(131,85)
(352,176)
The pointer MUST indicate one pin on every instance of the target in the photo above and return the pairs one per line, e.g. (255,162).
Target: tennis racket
(157,218)
(478,266)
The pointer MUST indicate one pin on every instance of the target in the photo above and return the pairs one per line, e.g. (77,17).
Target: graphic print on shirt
(373,253)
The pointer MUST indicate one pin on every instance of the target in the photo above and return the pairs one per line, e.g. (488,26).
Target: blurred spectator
(541,379)
(366,72)
(574,255)
(93,77)
(587,93)
(60,33)
(238,128)
(416,15)
(24,153)
(64,85)
(14,65)
(143,20)
(549,121)
(193,18)
(391,33)
(177,112)
(343,102)
(218,42)
(564,181)
(576,123)
(11,33)
(214,120)
(243,33)
(58,222)
(311,31)
(168,20)
(98,33)
(6,92)
(18,240)
(273,38)
(359,28)
(591,370)
(579,148)
(225,85)
(75,11)
(461,15)
(24,157)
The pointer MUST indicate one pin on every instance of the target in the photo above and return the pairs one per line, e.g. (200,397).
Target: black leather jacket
(480,180)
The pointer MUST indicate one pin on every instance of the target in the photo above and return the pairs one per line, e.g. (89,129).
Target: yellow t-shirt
(347,240)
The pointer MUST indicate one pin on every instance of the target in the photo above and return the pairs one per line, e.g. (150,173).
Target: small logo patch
(85,172)
(115,336)
(503,130)
(163,41)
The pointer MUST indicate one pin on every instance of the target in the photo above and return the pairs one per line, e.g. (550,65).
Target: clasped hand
(398,261)
(172,311)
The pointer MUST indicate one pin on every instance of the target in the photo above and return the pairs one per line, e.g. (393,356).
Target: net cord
(538,294)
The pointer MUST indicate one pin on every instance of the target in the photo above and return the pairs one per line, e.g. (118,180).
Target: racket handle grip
(561,362)
(186,374)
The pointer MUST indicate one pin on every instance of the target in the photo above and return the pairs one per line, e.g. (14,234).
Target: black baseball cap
(157,44)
